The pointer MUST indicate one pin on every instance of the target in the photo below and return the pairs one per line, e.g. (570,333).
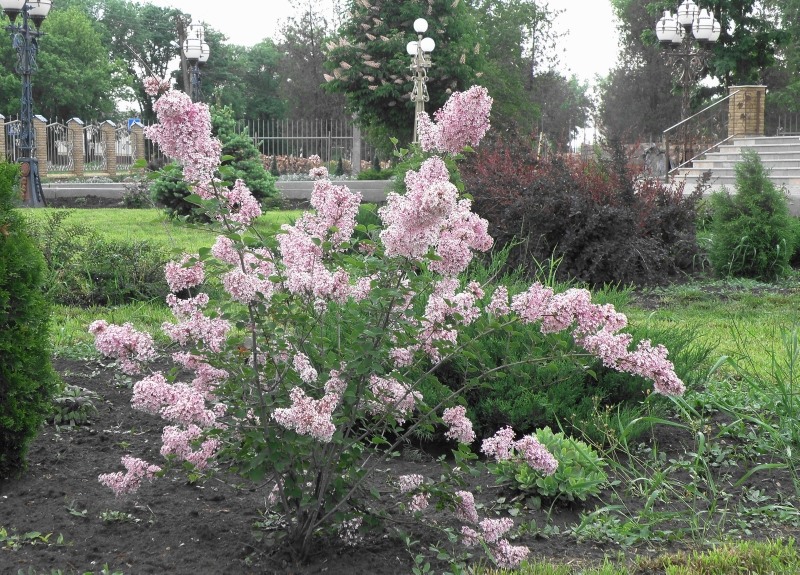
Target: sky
(584,54)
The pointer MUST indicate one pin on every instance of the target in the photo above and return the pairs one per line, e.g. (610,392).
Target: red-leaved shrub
(603,218)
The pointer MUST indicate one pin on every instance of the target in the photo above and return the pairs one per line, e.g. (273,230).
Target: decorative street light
(420,50)
(197,52)
(687,37)
(26,43)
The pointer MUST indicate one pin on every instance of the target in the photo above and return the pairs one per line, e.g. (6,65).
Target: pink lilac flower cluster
(177,442)
(130,347)
(430,215)
(445,310)
(409,482)
(183,132)
(174,402)
(239,205)
(595,329)
(300,244)
(309,416)
(392,397)
(154,86)
(462,121)
(207,377)
(460,427)
(491,533)
(189,272)
(302,365)
(129,482)
(529,449)
(193,325)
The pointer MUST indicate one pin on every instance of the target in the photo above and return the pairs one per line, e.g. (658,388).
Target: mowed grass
(153,225)
(69,330)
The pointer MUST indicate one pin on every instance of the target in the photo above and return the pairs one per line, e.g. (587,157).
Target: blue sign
(132,121)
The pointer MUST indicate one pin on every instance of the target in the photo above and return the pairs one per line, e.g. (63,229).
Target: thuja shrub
(243,161)
(752,232)
(27,380)
(305,375)
(604,221)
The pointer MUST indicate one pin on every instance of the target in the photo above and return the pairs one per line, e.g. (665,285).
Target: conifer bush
(27,379)
(752,229)
(243,162)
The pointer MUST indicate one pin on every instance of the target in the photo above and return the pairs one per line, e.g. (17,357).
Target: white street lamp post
(196,51)
(420,50)
(687,38)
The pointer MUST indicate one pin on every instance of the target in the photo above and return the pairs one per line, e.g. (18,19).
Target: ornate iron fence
(59,148)
(328,139)
(94,148)
(125,148)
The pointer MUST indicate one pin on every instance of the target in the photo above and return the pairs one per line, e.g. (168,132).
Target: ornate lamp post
(197,52)
(420,50)
(26,42)
(687,38)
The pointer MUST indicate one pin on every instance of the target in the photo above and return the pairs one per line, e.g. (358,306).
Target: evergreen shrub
(603,220)
(752,229)
(27,379)
(244,162)
(536,389)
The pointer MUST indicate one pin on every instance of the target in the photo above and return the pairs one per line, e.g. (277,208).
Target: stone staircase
(780,155)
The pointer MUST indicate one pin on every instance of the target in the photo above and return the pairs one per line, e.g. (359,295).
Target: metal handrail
(685,121)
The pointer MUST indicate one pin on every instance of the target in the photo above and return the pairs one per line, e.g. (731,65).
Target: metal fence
(328,139)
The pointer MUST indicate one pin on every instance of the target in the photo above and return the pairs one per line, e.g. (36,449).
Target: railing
(699,134)
(328,139)
(783,124)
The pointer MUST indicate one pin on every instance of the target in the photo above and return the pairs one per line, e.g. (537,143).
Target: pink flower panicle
(529,449)
(409,482)
(391,396)
(183,132)
(465,507)
(419,502)
(240,206)
(183,275)
(130,347)
(462,121)
(460,427)
(131,480)
(302,365)
(308,416)
(430,215)
(155,86)
(178,442)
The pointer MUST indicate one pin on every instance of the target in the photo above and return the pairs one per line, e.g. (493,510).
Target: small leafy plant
(73,406)
(579,476)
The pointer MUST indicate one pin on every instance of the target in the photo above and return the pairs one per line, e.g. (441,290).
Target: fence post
(40,142)
(746,111)
(2,138)
(137,135)
(76,138)
(109,131)
(355,152)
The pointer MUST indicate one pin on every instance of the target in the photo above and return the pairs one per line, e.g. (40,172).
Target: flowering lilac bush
(307,376)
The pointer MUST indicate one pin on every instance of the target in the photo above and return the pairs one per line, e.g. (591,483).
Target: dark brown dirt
(177,527)
(180,528)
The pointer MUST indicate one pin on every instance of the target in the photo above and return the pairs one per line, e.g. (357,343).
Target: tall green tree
(519,43)
(74,75)
(142,36)
(368,62)
(301,69)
